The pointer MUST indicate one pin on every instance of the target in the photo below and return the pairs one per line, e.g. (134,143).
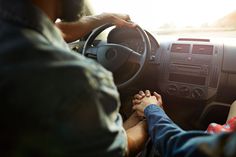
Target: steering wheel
(113,56)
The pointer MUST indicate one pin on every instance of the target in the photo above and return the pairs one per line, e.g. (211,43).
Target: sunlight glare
(155,13)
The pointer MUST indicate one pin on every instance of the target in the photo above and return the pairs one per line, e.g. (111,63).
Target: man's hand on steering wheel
(77,30)
(120,20)
(113,56)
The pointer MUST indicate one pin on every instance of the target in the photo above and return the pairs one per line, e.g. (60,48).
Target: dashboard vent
(180,48)
(194,39)
(203,49)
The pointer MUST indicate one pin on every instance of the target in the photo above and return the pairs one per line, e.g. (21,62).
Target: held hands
(135,126)
(142,100)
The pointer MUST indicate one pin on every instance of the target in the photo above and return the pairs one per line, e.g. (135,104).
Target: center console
(191,68)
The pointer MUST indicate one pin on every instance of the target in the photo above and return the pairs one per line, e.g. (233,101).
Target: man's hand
(132,121)
(120,20)
(76,30)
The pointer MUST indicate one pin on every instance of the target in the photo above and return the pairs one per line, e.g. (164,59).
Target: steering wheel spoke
(135,57)
(91,52)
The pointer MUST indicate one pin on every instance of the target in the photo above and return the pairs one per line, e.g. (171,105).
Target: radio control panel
(191,70)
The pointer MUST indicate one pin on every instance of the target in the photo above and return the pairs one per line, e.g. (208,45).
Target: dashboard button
(184,91)
(197,93)
(172,89)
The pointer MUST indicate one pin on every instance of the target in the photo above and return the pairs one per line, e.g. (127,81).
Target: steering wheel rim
(143,58)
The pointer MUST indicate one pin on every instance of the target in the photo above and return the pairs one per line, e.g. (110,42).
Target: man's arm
(172,141)
(136,138)
(76,30)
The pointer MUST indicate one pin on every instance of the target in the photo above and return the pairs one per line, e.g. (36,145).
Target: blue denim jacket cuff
(152,108)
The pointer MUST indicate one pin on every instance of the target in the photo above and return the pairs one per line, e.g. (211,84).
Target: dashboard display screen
(198,80)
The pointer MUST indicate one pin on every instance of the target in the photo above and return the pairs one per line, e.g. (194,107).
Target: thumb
(159,99)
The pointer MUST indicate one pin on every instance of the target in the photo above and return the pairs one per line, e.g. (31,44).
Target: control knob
(197,93)
(184,91)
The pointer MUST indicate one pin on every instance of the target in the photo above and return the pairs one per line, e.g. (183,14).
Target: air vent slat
(194,39)
(180,48)
(203,49)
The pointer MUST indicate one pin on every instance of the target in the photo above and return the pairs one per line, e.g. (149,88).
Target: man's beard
(71,10)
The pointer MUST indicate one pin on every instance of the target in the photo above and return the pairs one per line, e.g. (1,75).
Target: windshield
(168,16)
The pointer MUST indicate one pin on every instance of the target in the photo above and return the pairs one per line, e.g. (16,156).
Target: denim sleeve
(171,141)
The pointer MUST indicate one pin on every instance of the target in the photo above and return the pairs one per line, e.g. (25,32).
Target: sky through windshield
(168,13)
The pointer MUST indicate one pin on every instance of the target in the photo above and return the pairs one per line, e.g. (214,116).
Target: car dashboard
(189,68)
(195,76)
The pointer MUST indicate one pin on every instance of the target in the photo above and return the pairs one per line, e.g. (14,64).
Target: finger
(118,16)
(158,96)
(135,107)
(138,96)
(138,108)
(128,24)
(147,93)
(124,20)
(127,17)
(136,102)
(142,93)
(124,23)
